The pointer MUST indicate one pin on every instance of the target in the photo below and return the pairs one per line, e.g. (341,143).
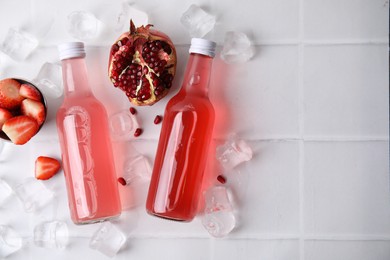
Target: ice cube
(83,25)
(237,48)
(234,152)
(19,44)
(10,241)
(51,234)
(129,11)
(33,194)
(218,218)
(122,125)
(3,65)
(41,21)
(3,146)
(197,21)
(137,167)
(108,239)
(5,189)
(49,80)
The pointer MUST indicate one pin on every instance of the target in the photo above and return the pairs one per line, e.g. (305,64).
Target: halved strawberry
(34,109)
(20,129)
(46,167)
(29,91)
(4,116)
(9,94)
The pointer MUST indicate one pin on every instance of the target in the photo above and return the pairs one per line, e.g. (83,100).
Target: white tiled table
(313,104)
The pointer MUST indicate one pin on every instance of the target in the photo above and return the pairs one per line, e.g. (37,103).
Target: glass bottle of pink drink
(87,157)
(185,136)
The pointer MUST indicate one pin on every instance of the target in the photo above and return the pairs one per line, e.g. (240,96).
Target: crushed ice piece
(197,21)
(237,48)
(218,218)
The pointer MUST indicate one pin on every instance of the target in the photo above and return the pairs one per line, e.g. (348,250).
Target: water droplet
(195,79)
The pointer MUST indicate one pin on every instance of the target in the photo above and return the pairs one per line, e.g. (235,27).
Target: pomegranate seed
(132,110)
(138,132)
(221,179)
(157,119)
(122,181)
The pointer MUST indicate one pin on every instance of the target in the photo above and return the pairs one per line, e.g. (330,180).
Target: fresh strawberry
(20,129)
(4,116)
(29,91)
(9,94)
(46,167)
(34,109)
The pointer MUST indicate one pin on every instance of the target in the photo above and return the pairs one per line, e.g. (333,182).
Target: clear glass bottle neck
(197,75)
(75,77)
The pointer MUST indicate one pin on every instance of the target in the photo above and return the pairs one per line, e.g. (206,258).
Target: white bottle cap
(71,50)
(203,46)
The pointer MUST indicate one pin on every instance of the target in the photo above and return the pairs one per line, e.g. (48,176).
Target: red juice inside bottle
(185,136)
(87,157)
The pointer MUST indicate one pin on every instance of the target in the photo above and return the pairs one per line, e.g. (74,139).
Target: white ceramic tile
(165,249)
(258,99)
(346,19)
(346,90)
(339,250)
(77,247)
(346,188)
(267,191)
(256,249)
(144,225)
(254,19)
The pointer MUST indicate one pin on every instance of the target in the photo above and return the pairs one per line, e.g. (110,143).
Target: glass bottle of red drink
(185,136)
(87,157)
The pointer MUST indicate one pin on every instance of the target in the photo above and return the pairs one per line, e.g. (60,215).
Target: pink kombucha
(87,157)
(185,136)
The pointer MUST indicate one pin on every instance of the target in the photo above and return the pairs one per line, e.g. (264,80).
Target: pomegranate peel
(143,64)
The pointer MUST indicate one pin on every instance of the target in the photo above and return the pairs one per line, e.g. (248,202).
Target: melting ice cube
(83,25)
(197,21)
(129,11)
(237,48)
(122,125)
(51,234)
(108,239)
(234,152)
(10,241)
(137,167)
(5,190)
(33,194)
(49,80)
(18,44)
(218,218)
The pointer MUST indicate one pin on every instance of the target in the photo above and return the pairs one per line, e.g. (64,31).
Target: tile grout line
(301,118)
(281,237)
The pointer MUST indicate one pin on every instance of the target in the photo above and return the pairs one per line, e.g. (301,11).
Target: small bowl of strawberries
(22,110)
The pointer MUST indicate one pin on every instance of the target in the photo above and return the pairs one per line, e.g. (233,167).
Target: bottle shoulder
(87,103)
(201,107)
(84,100)
(190,103)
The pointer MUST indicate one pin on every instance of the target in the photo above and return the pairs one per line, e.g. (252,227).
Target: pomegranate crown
(143,30)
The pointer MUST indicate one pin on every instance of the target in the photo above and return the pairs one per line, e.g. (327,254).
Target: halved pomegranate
(143,64)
